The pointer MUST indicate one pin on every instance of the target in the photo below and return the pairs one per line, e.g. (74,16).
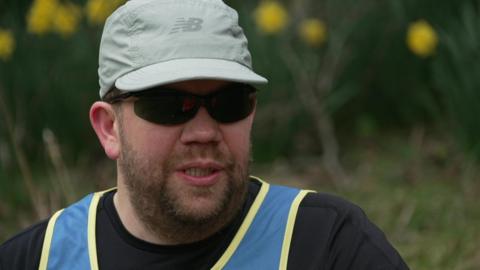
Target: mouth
(200,173)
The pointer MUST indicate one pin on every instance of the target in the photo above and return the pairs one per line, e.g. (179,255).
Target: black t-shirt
(329,233)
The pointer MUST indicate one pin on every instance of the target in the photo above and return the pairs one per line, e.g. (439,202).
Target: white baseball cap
(146,43)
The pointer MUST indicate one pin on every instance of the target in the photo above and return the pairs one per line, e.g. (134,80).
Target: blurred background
(377,101)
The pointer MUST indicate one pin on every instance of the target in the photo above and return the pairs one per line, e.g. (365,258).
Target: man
(176,113)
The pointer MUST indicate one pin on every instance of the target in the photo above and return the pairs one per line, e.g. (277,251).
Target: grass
(427,207)
(418,190)
(434,225)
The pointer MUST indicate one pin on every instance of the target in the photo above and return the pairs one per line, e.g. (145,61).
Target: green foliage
(433,224)
(455,74)
(55,77)
(424,197)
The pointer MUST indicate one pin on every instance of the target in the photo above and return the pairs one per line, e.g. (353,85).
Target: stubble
(170,210)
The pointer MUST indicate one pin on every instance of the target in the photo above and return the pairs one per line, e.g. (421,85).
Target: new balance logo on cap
(187,25)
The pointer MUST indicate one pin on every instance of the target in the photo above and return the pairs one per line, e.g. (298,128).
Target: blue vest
(262,241)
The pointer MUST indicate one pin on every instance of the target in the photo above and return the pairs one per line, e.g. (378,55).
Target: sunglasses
(166,106)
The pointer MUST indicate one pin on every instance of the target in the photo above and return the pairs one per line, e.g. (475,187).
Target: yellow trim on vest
(92,221)
(292,216)
(244,227)
(47,241)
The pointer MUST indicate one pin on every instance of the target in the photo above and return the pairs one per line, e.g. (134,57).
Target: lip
(200,181)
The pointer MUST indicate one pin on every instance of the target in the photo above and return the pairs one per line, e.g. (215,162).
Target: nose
(201,129)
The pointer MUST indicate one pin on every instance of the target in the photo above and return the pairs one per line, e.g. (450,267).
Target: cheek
(237,138)
(151,141)
(158,145)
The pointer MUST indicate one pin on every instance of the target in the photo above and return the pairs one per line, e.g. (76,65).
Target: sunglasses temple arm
(118,98)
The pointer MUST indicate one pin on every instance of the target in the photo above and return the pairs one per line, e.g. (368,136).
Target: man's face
(191,174)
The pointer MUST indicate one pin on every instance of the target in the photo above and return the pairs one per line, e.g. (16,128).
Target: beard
(173,210)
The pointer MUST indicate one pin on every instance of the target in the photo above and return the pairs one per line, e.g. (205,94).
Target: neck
(131,220)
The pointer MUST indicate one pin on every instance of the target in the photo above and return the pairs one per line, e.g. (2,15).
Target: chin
(203,204)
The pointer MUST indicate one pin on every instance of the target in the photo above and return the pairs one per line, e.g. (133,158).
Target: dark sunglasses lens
(172,108)
(166,110)
(232,105)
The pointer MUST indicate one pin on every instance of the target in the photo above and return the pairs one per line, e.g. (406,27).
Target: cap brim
(187,69)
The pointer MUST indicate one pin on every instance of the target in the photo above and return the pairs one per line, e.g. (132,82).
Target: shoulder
(23,250)
(332,216)
(338,233)
(337,212)
(326,200)
(331,206)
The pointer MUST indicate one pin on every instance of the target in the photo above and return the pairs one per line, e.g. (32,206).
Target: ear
(105,124)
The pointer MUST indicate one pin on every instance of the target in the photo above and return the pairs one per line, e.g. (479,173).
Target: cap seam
(129,21)
(174,70)
(180,58)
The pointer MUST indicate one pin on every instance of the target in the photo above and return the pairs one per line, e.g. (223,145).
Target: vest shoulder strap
(266,240)
(72,229)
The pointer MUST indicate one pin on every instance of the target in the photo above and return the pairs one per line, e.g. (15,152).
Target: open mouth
(199,172)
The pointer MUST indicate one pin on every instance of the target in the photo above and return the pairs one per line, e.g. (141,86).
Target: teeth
(198,172)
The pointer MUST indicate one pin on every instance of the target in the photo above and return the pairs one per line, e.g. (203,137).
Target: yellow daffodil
(98,10)
(7,44)
(313,32)
(39,18)
(271,17)
(422,38)
(52,16)
(66,19)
